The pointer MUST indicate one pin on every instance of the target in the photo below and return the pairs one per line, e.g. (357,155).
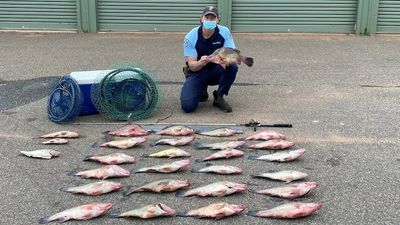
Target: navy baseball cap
(210,10)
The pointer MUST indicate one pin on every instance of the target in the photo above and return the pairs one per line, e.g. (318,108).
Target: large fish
(94,189)
(169,153)
(290,210)
(219,132)
(176,131)
(125,143)
(132,130)
(217,189)
(266,135)
(223,154)
(83,212)
(217,210)
(220,145)
(147,212)
(283,156)
(175,142)
(103,172)
(111,159)
(165,168)
(275,144)
(219,169)
(285,175)
(289,191)
(41,153)
(226,56)
(159,186)
(55,141)
(62,134)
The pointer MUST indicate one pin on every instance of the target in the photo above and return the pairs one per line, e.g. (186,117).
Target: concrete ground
(341,93)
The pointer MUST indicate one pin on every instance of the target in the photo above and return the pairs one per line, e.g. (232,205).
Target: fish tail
(199,160)
(252,157)
(114,214)
(252,213)
(145,156)
(87,158)
(108,137)
(136,171)
(195,171)
(247,60)
(182,214)
(72,172)
(180,193)
(252,190)
(209,164)
(129,190)
(199,145)
(64,189)
(95,145)
(44,220)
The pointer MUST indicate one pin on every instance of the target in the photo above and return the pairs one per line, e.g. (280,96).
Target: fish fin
(44,220)
(182,214)
(87,158)
(72,172)
(252,213)
(199,160)
(252,157)
(64,189)
(249,61)
(199,145)
(114,214)
(180,193)
(95,145)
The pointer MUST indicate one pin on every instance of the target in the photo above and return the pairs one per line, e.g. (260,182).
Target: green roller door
(35,14)
(388,17)
(157,15)
(294,15)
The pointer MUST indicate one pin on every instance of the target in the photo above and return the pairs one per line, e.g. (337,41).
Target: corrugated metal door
(388,17)
(294,15)
(150,15)
(36,14)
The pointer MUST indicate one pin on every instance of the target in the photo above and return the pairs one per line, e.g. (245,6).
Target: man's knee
(232,69)
(188,106)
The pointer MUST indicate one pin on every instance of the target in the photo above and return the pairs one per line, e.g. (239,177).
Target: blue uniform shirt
(196,46)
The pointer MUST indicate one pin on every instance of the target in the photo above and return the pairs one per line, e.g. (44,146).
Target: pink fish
(175,142)
(219,169)
(111,159)
(284,175)
(62,134)
(55,141)
(220,145)
(147,212)
(275,144)
(94,189)
(176,131)
(132,130)
(266,135)
(217,210)
(103,172)
(289,191)
(165,168)
(83,212)
(159,186)
(290,210)
(125,143)
(217,189)
(223,154)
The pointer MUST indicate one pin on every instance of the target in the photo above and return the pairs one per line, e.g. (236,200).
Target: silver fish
(147,212)
(165,168)
(41,153)
(83,212)
(266,135)
(275,144)
(217,189)
(103,172)
(226,56)
(111,159)
(219,169)
(217,210)
(289,191)
(219,132)
(220,145)
(62,134)
(169,153)
(223,154)
(176,131)
(94,189)
(125,143)
(131,130)
(55,141)
(290,210)
(175,142)
(160,186)
(283,156)
(285,175)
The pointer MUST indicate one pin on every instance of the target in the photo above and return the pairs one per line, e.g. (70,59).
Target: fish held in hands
(94,189)
(287,211)
(111,159)
(83,212)
(227,56)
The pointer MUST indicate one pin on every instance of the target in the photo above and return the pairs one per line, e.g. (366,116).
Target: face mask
(209,25)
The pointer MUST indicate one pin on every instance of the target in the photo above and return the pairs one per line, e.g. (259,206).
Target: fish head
(183,163)
(238,187)
(54,153)
(311,184)
(168,211)
(238,208)
(104,207)
(120,170)
(116,186)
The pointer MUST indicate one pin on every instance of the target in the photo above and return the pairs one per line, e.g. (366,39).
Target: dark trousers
(197,82)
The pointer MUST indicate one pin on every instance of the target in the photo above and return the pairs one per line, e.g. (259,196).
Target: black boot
(204,96)
(221,103)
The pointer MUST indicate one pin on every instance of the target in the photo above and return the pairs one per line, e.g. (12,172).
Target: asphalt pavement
(340,92)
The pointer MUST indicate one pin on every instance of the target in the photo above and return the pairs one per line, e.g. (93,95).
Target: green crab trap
(125,92)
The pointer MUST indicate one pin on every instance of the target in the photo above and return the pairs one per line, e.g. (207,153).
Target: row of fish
(216,210)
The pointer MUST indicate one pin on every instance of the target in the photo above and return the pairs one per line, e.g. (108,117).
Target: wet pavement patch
(21,92)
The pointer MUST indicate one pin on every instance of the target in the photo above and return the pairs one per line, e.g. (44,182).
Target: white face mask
(209,24)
